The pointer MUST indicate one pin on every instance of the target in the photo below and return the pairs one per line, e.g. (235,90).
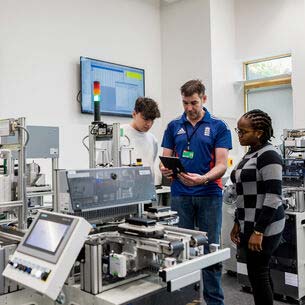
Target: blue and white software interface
(120,86)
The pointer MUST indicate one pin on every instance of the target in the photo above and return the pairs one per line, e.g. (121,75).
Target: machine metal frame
(21,202)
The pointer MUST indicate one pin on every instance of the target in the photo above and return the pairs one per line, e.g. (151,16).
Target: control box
(6,127)
(47,252)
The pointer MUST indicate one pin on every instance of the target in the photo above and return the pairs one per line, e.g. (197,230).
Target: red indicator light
(96,88)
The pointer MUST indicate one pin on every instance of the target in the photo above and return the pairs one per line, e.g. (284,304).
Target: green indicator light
(134,75)
(96,98)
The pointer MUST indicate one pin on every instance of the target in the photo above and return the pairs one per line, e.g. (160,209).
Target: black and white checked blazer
(258,180)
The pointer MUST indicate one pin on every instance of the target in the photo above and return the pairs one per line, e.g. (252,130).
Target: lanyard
(189,137)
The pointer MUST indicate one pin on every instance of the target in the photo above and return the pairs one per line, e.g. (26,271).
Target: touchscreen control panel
(47,252)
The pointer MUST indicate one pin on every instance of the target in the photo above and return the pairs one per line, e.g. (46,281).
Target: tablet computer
(173,163)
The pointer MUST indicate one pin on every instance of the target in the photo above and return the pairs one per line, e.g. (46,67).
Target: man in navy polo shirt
(202,143)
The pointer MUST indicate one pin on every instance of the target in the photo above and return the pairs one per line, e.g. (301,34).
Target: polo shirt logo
(181,131)
(207,131)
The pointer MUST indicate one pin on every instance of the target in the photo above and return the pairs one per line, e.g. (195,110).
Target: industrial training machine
(104,241)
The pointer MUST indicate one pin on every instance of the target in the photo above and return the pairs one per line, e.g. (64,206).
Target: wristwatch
(258,233)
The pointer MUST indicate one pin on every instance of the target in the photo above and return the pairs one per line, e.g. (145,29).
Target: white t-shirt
(144,144)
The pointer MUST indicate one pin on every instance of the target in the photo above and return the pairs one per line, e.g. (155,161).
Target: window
(269,67)
(267,86)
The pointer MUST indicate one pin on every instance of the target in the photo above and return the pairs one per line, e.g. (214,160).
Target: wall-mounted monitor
(120,86)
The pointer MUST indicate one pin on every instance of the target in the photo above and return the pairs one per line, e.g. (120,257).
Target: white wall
(186,52)
(274,27)
(239,30)
(41,42)
(198,41)
(225,68)
(298,77)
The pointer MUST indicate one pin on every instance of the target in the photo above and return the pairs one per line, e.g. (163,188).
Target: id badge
(188,154)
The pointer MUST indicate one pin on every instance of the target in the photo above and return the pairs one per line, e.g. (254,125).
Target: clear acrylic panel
(93,189)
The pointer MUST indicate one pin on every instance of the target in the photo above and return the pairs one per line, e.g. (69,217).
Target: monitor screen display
(120,86)
(46,235)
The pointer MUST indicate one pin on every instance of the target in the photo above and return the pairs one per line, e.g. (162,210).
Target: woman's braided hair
(260,120)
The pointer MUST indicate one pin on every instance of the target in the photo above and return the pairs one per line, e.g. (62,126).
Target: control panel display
(46,254)
(46,235)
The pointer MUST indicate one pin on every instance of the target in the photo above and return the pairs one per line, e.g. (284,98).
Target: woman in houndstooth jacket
(259,216)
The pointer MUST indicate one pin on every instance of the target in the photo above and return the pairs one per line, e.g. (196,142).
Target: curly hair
(193,86)
(147,107)
(260,120)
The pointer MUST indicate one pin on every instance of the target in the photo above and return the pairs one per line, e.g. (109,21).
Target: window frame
(278,80)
